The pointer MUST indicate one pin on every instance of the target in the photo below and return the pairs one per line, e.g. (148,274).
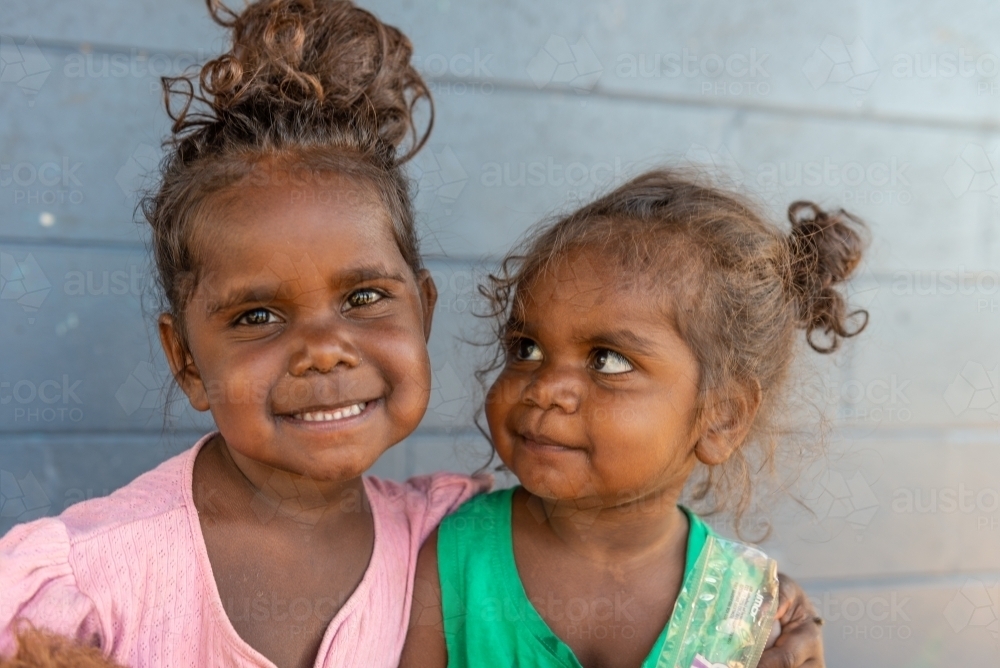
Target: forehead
(582,288)
(334,223)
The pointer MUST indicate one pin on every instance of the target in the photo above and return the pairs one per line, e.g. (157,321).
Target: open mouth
(321,415)
(331,416)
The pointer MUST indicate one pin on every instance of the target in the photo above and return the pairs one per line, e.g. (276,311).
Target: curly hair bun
(321,63)
(824,250)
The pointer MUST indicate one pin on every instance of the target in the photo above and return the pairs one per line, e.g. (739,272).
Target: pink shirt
(129,572)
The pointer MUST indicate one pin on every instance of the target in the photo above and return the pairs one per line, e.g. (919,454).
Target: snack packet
(725,610)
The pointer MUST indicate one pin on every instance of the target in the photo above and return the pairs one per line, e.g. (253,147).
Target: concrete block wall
(890,109)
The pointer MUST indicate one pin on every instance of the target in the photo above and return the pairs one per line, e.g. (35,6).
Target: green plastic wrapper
(725,610)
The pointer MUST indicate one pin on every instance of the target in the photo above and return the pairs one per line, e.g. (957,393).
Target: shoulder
(697,524)
(473,533)
(71,573)
(484,508)
(38,582)
(434,495)
(164,489)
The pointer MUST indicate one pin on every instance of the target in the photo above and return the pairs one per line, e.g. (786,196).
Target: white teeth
(330,416)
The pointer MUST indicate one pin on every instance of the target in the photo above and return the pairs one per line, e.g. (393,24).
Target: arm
(425,646)
(800,644)
(38,586)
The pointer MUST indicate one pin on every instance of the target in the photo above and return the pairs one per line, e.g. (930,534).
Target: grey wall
(887,108)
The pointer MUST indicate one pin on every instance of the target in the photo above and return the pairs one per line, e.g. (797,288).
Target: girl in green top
(644,336)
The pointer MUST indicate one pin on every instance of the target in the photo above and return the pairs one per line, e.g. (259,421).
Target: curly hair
(308,86)
(38,648)
(740,289)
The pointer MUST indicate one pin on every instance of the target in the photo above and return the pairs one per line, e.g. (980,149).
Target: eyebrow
(621,339)
(367,273)
(266,292)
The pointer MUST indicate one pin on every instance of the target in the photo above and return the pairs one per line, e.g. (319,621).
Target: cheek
(405,363)
(645,435)
(502,398)
(238,383)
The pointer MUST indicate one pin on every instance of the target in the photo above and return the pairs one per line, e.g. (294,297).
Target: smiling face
(599,393)
(306,333)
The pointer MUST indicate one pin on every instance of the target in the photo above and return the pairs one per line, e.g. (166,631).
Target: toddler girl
(647,333)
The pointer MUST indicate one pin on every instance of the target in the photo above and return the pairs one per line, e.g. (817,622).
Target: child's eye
(526,350)
(609,362)
(364,297)
(257,316)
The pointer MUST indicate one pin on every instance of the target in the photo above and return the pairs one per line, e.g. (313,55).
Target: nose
(552,387)
(321,348)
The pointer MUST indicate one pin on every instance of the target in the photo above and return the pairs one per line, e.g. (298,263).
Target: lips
(329,414)
(538,441)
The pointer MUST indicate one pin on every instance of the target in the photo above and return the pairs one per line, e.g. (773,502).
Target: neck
(602,532)
(279,494)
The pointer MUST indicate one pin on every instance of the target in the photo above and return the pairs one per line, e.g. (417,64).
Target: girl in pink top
(296,311)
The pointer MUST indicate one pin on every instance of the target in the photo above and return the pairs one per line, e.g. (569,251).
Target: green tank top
(488,619)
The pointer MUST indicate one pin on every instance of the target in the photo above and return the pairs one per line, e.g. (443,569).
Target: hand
(800,644)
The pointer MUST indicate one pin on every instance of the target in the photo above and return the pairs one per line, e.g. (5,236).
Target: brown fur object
(41,649)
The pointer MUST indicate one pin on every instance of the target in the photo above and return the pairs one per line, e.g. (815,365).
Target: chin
(343,465)
(553,487)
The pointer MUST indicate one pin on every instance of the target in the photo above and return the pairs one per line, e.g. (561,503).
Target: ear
(428,298)
(181,362)
(726,420)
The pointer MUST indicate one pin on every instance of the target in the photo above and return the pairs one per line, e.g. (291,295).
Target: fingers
(799,646)
(777,658)
(792,600)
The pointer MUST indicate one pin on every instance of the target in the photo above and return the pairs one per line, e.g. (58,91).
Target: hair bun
(314,62)
(824,250)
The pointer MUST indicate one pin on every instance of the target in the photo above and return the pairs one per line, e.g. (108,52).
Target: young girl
(647,333)
(297,312)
